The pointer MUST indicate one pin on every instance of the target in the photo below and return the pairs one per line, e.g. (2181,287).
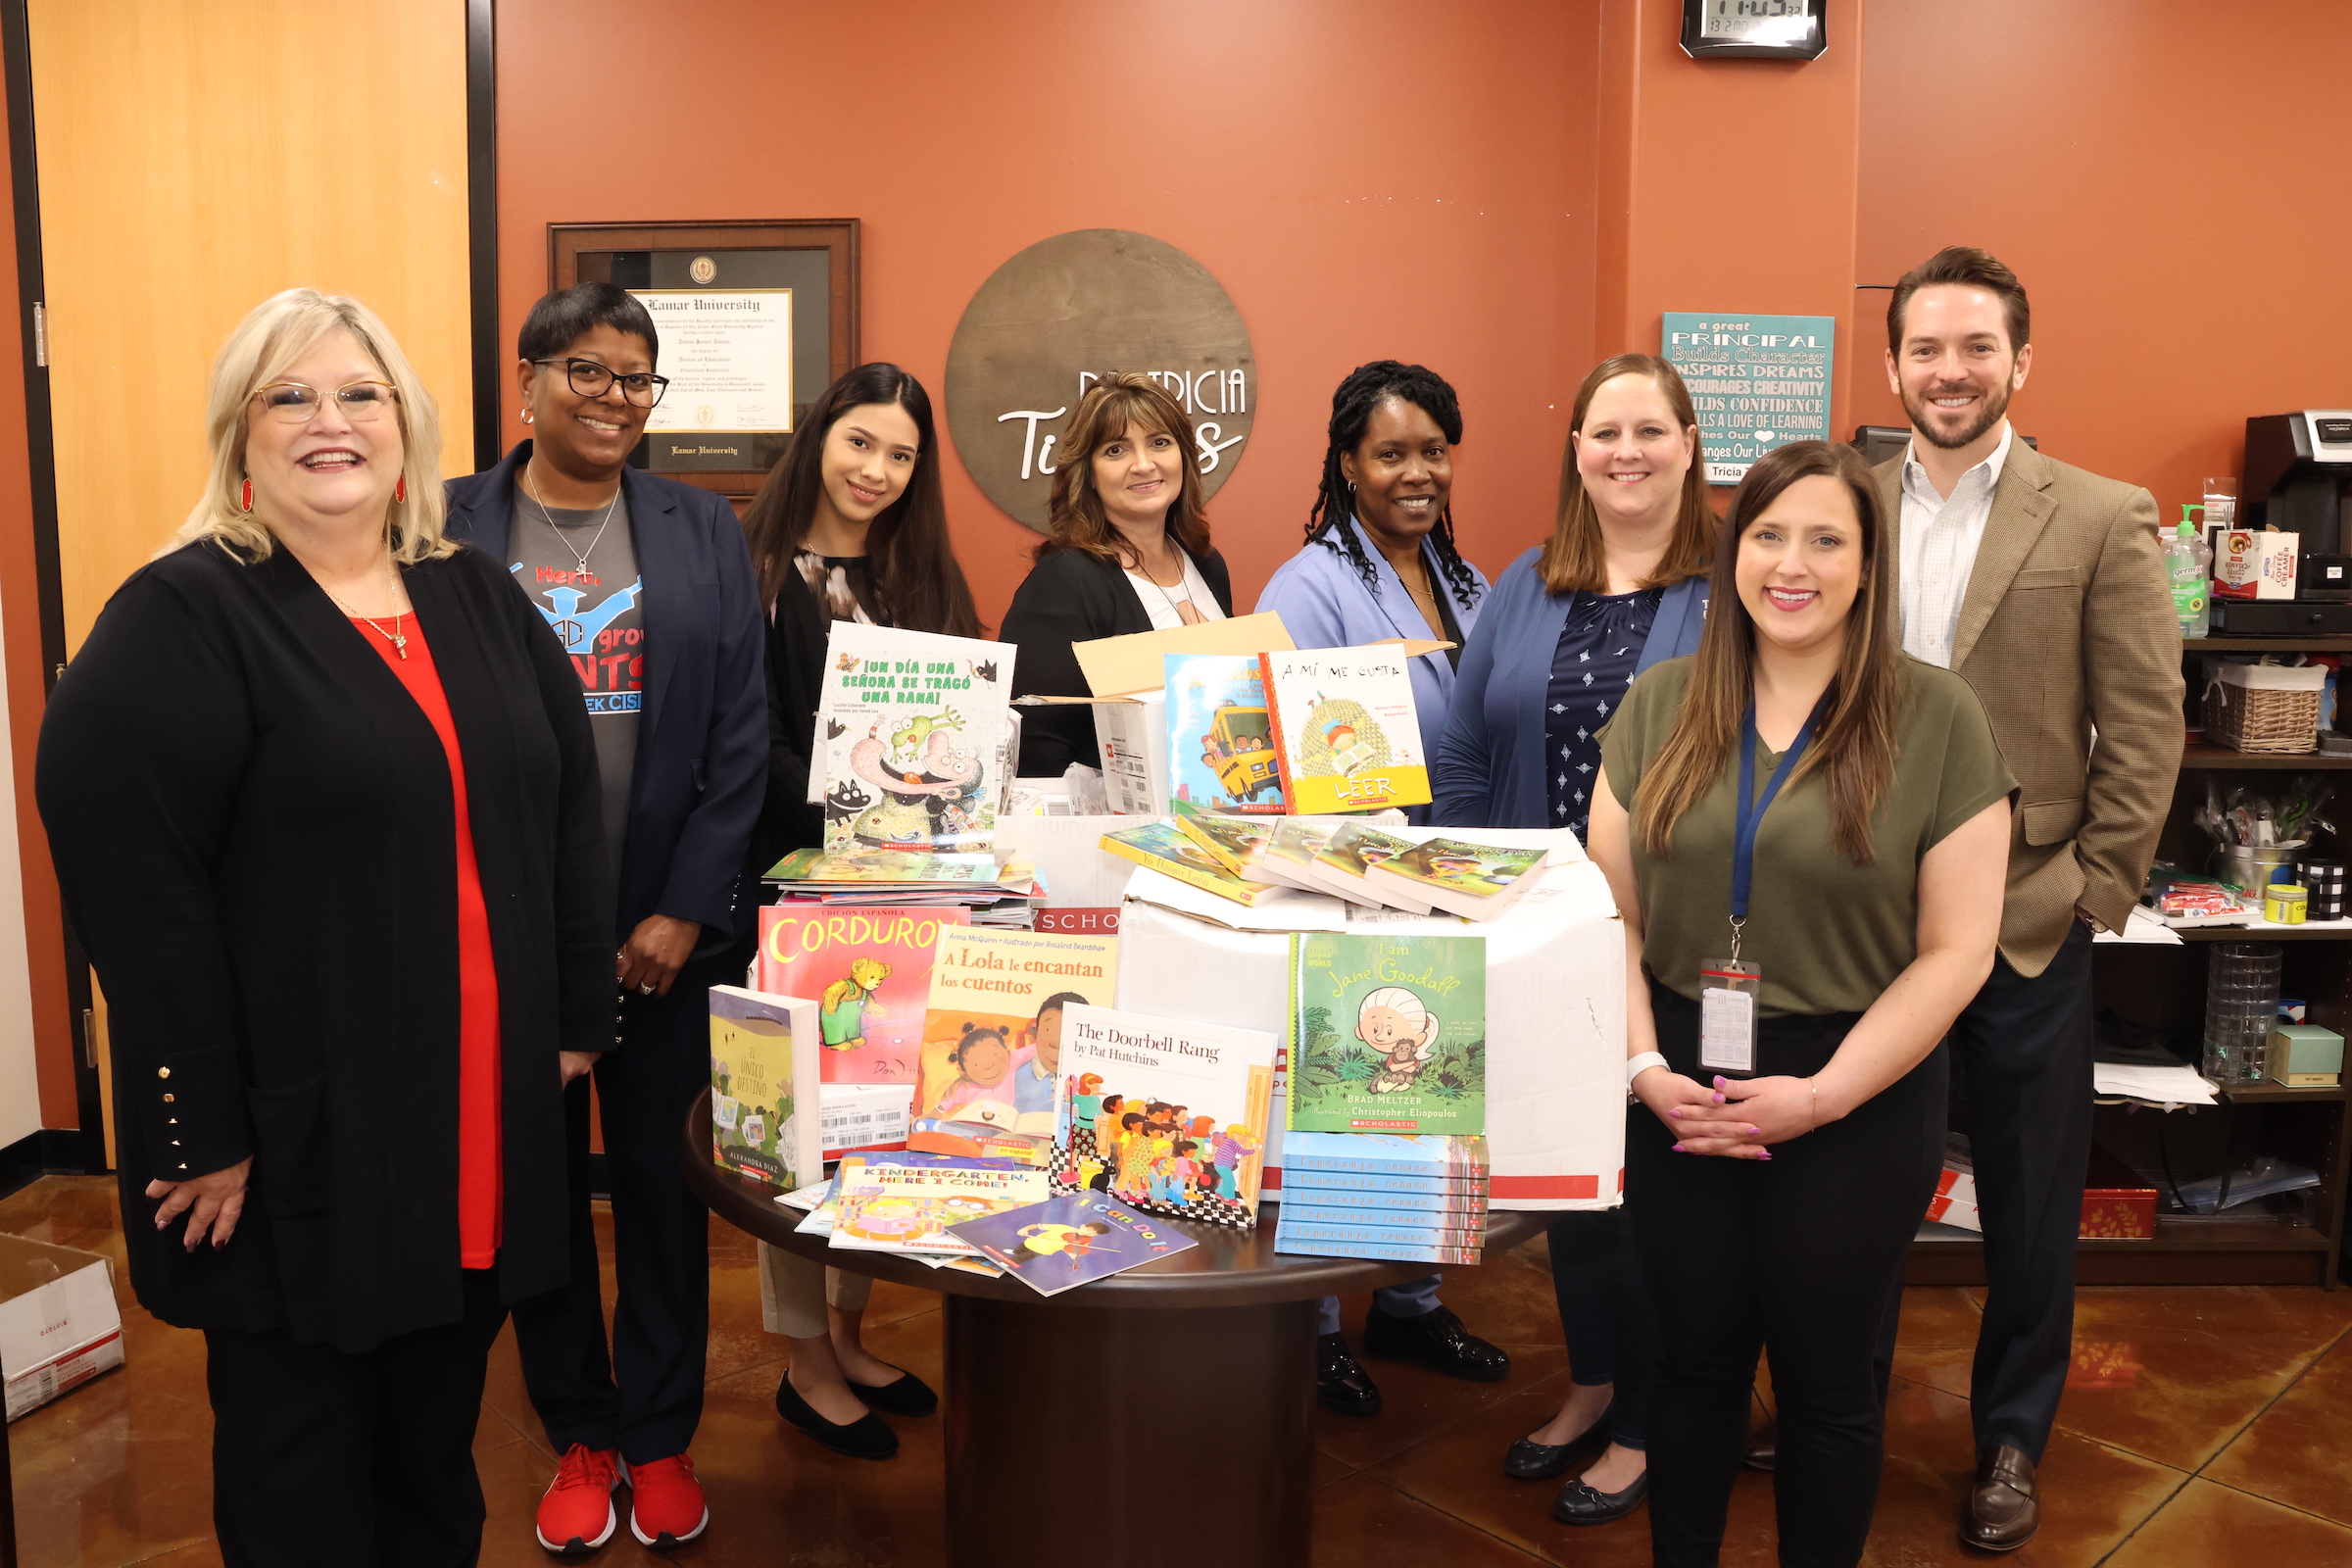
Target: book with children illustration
(1220,741)
(1160,848)
(1162,1114)
(870,968)
(1478,881)
(1345,728)
(1387,1034)
(1290,858)
(907,752)
(1342,864)
(763,1086)
(1071,1240)
(907,1208)
(1239,843)
(993,1031)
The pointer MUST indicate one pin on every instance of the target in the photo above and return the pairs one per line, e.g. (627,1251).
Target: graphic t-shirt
(599,617)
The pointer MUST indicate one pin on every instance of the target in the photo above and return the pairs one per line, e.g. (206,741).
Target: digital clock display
(1753,29)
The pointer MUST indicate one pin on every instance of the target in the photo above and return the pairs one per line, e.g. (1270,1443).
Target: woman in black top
(325,809)
(849,526)
(1126,550)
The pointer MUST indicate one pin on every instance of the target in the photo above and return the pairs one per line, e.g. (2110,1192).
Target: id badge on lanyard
(1729,990)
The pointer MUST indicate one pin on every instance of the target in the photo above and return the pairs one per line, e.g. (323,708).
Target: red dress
(481,1178)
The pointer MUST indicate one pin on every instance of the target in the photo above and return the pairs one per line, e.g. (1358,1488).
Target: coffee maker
(2298,480)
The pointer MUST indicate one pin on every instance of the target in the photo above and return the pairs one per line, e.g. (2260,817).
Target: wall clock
(1754,30)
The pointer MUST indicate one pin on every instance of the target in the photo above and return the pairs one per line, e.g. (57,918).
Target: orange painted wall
(2159,177)
(1366,178)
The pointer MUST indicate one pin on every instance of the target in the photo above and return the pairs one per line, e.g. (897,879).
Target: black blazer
(795,678)
(254,835)
(702,741)
(1072,597)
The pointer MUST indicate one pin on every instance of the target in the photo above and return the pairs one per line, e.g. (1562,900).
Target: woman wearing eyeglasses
(323,805)
(649,587)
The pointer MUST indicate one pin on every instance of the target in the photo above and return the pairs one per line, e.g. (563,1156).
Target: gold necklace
(397,637)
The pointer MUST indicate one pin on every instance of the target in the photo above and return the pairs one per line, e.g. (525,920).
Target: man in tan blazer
(2043,586)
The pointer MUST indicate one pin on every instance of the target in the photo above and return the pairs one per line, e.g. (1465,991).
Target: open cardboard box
(59,1326)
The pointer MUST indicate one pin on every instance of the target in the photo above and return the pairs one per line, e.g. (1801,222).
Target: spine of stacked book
(1412,1197)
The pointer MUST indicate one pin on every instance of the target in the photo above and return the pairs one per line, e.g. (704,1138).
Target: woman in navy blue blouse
(1620,585)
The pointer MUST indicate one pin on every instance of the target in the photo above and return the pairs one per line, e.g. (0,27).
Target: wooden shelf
(2224,757)
(2175,1233)
(2327,931)
(2271,1094)
(2320,642)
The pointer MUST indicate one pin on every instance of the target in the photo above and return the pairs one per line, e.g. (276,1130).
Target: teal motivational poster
(1757,382)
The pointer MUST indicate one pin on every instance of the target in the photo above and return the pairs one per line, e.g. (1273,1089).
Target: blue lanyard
(1751,816)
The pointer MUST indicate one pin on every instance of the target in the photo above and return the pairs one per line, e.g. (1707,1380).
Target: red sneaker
(667,1508)
(577,1515)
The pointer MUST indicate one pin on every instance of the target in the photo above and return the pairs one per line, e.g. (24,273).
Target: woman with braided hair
(1380,564)
(1380,561)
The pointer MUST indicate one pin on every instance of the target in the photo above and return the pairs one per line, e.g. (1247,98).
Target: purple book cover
(1065,1242)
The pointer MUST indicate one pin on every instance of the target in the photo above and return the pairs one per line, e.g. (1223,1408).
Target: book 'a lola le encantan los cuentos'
(992,1034)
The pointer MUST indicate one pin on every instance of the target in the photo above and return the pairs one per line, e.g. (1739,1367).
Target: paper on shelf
(2144,925)
(2160,1085)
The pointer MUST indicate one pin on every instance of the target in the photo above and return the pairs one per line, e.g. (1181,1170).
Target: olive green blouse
(1830,934)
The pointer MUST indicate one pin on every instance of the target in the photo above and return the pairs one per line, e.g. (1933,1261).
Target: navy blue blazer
(1488,769)
(702,739)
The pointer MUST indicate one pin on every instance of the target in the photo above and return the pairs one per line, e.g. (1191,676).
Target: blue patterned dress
(1591,669)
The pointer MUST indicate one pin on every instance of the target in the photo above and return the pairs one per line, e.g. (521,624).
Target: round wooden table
(1183,1386)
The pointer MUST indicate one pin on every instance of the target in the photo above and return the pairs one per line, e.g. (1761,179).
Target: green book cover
(1389,1033)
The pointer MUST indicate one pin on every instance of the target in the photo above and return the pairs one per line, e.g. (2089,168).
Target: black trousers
(2023,1051)
(1795,1257)
(646,1397)
(351,1461)
(1607,1314)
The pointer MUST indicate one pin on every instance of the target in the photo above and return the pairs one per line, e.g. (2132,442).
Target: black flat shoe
(905,1394)
(867,1437)
(1530,1460)
(1341,1386)
(1763,1450)
(1581,1504)
(1438,1341)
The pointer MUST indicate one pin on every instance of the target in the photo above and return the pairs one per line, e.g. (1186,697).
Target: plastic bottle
(2186,559)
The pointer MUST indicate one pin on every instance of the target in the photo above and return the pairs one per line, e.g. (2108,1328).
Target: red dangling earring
(400,488)
(245,497)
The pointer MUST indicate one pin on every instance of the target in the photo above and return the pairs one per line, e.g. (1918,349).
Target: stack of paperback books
(1414,1198)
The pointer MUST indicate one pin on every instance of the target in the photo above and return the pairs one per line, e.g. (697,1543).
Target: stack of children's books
(904,1203)
(1384,1153)
(1245,858)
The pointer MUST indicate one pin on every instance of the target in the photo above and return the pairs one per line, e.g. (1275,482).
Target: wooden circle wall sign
(1065,312)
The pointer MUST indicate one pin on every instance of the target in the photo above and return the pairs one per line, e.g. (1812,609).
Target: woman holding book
(1619,586)
(850,525)
(1126,550)
(1806,834)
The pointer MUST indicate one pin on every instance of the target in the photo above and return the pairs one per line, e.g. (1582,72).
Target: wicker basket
(2264,707)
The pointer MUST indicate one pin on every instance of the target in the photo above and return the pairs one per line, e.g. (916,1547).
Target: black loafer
(1763,1448)
(1341,1386)
(867,1437)
(1580,1504)
(1530,1460)
(905,1394)
(1438,1341)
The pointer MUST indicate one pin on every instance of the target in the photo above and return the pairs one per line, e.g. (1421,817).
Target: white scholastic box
(59,1326)
(1556,1015)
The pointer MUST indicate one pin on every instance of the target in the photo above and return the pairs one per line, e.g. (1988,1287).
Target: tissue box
(59,1326)
(2304,1056)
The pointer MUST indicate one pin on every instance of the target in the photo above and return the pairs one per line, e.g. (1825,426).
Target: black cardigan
(253,831)
(795,678)
(1072,597)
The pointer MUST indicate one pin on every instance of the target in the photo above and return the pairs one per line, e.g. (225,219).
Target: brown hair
(1855,745)
(1975,269)
(1572,558)
(1126,403)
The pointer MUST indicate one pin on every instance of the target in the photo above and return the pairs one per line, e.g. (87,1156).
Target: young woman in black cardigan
(1126,550)
(849,526)
(323,805)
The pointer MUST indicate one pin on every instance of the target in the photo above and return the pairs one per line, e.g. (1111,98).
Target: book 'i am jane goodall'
(1071,1240)
(764,1087)
(907,752)
(870,968)
(1387,1034)
(1345,728)
(1220,741)
(1166,1114)
(993,1032)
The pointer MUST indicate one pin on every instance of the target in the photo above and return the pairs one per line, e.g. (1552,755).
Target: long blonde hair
(278,332)
(1573,557)
(1135,405)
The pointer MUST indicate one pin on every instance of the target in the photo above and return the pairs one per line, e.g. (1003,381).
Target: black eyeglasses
(590,380)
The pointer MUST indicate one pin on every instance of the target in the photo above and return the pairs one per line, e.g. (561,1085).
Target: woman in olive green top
(1777,1171)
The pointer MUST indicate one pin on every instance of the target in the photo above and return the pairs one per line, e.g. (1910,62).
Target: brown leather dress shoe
(2004,1507)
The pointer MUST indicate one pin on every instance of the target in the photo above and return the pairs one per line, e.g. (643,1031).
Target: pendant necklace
(1175,606)
(397,636)
(581,556)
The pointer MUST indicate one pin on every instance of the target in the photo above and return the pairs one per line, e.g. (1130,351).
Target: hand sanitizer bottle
(2187,559)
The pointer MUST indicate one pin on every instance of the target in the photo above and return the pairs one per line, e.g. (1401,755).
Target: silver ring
(645,991)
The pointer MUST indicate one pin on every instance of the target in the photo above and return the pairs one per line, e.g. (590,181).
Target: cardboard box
(1555,1022)
(59,1326)
(2304,1056)
(2255,563)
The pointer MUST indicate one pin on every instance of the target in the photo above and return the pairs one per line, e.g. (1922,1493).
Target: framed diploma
(754,317)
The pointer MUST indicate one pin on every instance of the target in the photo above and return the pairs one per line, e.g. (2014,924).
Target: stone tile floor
(2208,1425)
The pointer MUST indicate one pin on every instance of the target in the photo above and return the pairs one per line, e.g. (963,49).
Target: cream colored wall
(19,1087)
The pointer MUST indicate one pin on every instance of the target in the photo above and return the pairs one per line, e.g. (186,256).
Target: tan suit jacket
(2067,632)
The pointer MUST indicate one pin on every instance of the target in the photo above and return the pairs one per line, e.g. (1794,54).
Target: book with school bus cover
(1220,741)
(990,1045)
(1345,728)
(868,968)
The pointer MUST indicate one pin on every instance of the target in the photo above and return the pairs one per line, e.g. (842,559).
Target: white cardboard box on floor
(59,1326)
(1556,1024)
